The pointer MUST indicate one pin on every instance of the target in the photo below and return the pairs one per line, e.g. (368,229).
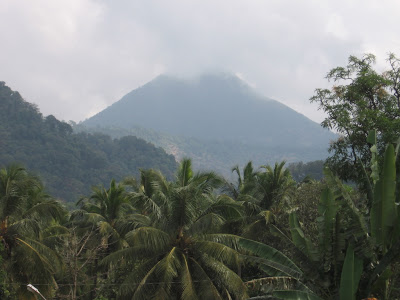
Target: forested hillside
(69,163)
(219,156)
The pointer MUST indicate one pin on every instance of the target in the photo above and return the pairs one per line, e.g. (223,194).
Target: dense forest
(221,155)
(69,163)
(195,235)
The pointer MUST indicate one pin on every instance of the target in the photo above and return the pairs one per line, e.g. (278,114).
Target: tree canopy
(361,99)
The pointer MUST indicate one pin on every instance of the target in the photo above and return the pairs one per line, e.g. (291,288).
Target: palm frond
(163,272)
(24,227)
(35,263)
(218,252)
(146,204)
(131,222)
(270,260)
(149,237)
(226,207)
(206,288)
(168,270)
(188,286)
(130,254)
(225,277)
(206,223)
(49,210)
(229,240)
(185,172)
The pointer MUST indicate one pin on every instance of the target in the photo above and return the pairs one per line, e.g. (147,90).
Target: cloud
(74,58)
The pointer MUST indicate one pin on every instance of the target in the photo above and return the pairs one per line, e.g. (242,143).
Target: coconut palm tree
(275,183)
(110,211)
(147,195)
(25,211)
(183,254)
(247,187)
(107,214)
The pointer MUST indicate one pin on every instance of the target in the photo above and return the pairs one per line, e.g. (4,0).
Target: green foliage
(220,155)
(295,295)
(23,216)
(160,236)
(272,261)
(263,188)
(351,274)
(383,210)
(363,100)
(312,170)
(299,239)
(371,248)
(182,253)
(4,292)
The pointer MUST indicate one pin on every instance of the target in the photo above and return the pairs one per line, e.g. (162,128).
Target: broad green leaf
(351,274)
(328,209)
(383,210)
(371,138)
(273,259)
(301,242)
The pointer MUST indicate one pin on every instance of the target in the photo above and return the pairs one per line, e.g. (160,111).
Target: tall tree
(183,254)
(361,99)
(275,184)
(23,216)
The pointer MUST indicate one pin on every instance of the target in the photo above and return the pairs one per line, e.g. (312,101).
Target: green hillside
(69,163)
(217,155)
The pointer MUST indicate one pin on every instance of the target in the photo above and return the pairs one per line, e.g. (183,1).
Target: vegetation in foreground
(200,237)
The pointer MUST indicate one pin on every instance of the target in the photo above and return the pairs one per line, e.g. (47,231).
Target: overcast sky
(74,58)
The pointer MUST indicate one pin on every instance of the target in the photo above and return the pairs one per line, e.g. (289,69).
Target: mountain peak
(217,80)
(216,106)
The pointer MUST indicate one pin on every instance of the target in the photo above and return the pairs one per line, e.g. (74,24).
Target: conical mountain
(213,107)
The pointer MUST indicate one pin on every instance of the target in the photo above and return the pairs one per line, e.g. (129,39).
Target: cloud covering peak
(74,58)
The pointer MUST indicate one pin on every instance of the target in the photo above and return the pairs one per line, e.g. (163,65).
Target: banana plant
(351,274)
(355,250)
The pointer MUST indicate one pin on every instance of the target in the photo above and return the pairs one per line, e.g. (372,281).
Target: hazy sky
(73,58)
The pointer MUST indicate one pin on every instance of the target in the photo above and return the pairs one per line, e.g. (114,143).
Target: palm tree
(107,214)
(25,211)
(275,183)
(107,210)
(147,195)
(247,185)
(183,254)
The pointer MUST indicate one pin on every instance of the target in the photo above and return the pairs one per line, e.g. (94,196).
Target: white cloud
(74,58)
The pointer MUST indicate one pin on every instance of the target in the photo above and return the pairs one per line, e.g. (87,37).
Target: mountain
(213,107)
(70,163)
(217,118)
